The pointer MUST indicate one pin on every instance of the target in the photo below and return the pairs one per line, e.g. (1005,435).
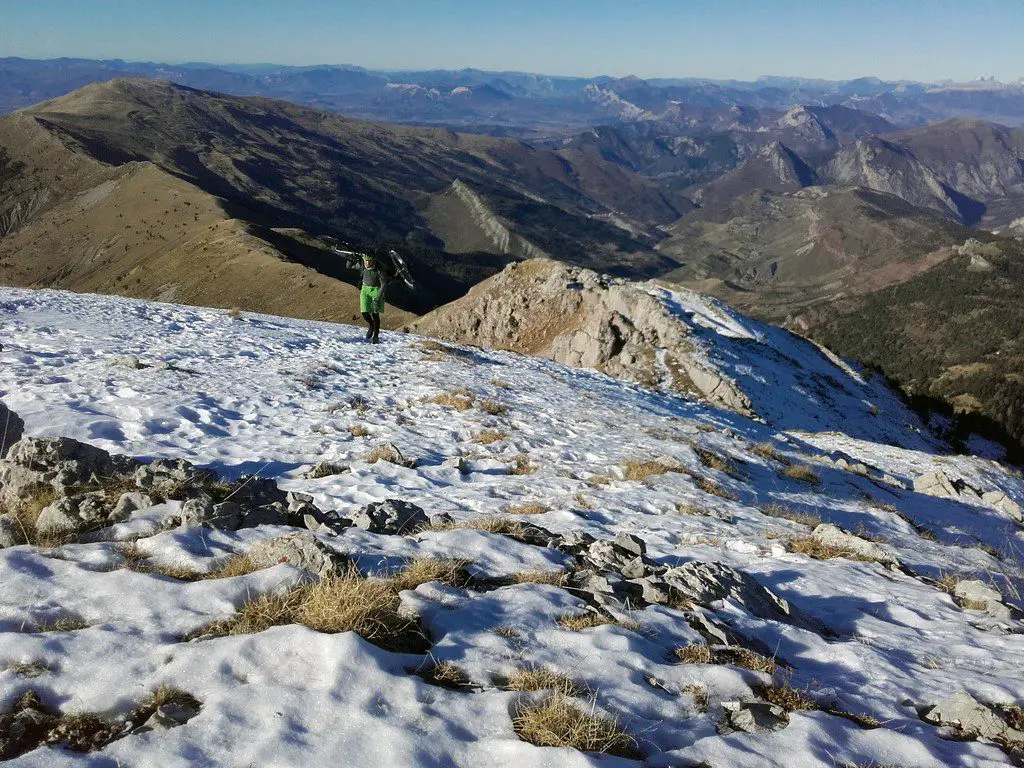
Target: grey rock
(168,716)
(978,592)
(58,462)
(711,631)
(752,717)
(201,510)
(128,503)
(441,520)
(456,462)
(9,533)
(392,516)
(227,516)
(301,549)
(631,544)
(935,484)
(590,582)
(967,713)
(74,514)
(706,583)
(268,514)
(324,469)
(831,535)
(297,502)
(634,569)
(11,429)
(647,590)
(1000,500)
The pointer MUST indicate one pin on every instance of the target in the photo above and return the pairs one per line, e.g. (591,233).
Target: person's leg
(369,324)
(376,327)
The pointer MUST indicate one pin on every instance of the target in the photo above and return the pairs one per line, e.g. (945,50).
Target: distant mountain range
(811,215)
(517,101)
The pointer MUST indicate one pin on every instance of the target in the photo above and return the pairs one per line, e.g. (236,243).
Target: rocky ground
(252,540)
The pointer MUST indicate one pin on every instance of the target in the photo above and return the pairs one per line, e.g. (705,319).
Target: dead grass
(426,569)
(358,430)
(508,632)
(810,546)
(493,407)
(710,486)
(527,509)
(538,678)
(700,653)
(786,696)
(497,524)
(701,699)
(446,675)
(558,721)
(770,452)
(136,560)
(343,603)
(488,436)
(577,622)
(715,461)
(64,624)
(641,469)
(555,578)
(235,313)
(598,480)
(450,400)
(802,473)
(793,515)
(522,465)
(26,514)
(28,669)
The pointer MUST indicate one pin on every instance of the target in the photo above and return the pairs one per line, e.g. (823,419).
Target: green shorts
(371,300)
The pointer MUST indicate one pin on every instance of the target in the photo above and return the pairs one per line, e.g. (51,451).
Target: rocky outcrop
(972,717)
(11,429)
(392,516)
(577,317)
(300,549)
(832,536)
(938,483)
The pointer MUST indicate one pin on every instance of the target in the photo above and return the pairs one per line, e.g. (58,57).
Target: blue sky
(913,39)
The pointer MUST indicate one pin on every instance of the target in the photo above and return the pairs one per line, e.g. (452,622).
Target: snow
(275,396)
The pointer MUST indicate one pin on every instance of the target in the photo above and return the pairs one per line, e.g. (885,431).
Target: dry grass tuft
(497,524)
(344,603)
(577,622)
(527,509)
(493,407)
(445,674)
(555,578)
(65,624)
(701,699)
(28,669)
(810,546)
(803,473)
(769,452)
(538,678)
(786,696)
(558,721)
(598,480)
(488,436)
(700,653)
(710,486)
(136,560)
(712,460)
(235,313)
(358,430)
(641,469)
(522,465)
(506,631)
(793,515)
(449,400)
(426,569)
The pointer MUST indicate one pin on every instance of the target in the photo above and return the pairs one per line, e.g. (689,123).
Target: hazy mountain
(265,175)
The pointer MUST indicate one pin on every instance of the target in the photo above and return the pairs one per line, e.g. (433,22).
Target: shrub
(557,721)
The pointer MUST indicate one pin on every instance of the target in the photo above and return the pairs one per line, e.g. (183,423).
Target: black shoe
(369,333)
(374,340)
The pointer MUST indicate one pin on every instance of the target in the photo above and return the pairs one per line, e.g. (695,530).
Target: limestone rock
(9,532)
(456,462)
(935,484)
(1000,500)
(11,429)
(128,503)
(968,714)
(392,516)
(976,592)
(831,535)
(73,514)
(202,511)
(753,717)
(301,549)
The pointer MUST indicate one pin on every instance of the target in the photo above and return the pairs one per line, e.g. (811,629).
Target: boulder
(128,503)
(11,429)
(974,592)
(58,462)
(972,716)
(752,717)
(10,534)
(456,462)
(833,536)
(1000,500)
(391,516)
(935,484)
(202,511)
(74,514)
(301,549)
(268,514)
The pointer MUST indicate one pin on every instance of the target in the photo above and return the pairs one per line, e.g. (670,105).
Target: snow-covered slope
(275,396)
